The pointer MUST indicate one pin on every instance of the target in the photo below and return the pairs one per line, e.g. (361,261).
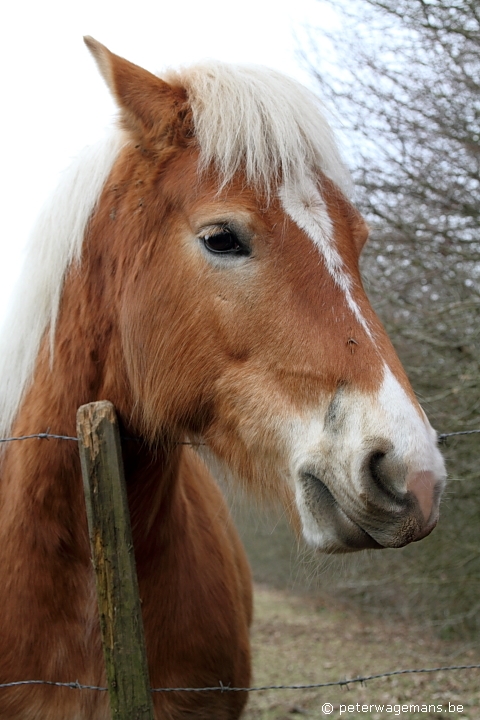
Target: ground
(299,639)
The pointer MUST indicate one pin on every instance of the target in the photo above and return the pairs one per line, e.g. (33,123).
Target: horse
(199,268)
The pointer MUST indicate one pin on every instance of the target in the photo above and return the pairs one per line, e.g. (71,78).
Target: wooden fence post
(114,562)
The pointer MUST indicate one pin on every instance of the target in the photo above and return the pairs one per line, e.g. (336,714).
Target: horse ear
(360,231)
(148,104)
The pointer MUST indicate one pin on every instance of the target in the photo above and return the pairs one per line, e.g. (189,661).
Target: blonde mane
(249,117)
(55,242)
(262,121)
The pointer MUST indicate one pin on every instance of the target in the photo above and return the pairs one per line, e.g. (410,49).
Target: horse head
(242,318)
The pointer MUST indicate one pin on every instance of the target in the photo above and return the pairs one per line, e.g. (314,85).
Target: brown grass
(299,640)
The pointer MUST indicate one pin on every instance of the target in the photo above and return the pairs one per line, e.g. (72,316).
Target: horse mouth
(327,511)
(393,521)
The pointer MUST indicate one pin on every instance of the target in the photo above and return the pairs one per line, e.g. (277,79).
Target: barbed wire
(51,436)
(443,436)
(221,687)
(40,436)
(71,685)
(227,688)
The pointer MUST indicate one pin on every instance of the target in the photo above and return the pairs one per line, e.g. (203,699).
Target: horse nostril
(385,473)
(393,487)
(375,467)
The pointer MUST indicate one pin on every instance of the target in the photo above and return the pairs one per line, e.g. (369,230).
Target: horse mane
(261,121)
(245,117)
(55,242)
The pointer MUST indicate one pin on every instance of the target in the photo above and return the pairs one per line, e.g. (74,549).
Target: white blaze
(306,207)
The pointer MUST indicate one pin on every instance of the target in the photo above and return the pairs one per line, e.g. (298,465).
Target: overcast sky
(55,102)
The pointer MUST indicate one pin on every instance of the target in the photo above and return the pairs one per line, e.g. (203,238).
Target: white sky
(55,102)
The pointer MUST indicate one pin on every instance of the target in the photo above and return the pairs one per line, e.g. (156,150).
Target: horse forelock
(261,121)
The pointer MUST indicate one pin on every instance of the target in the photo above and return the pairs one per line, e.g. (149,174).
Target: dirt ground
(300,640)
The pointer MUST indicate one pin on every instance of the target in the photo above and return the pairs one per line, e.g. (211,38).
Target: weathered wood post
(114,562)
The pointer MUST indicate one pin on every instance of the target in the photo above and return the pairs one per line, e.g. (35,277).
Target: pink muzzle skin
(423,486)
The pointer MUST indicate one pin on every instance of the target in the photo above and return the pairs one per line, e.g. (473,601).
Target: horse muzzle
(338,519)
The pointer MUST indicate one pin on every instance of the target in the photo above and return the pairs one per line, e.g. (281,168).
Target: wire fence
(227,688)
(443,437)
(47,435)
(39,436)
(51,436)
(75,685)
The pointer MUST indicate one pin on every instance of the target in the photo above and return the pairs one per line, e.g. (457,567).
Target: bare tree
(407,100)
(410,99)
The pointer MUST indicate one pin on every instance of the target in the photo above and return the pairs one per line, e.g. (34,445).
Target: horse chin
(338,540)
(326,527)
(343,544)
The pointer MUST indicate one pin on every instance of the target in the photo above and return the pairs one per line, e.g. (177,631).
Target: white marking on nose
(306,207)
(414,439)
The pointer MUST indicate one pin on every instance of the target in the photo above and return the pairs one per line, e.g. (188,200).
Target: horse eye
(224,242)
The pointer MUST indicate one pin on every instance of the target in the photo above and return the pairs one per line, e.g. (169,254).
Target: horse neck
(41,480)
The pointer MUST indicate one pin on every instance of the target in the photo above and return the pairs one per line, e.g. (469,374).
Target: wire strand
(51,436)
(40,436)
(442,438)
(221,687)
(226,688)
